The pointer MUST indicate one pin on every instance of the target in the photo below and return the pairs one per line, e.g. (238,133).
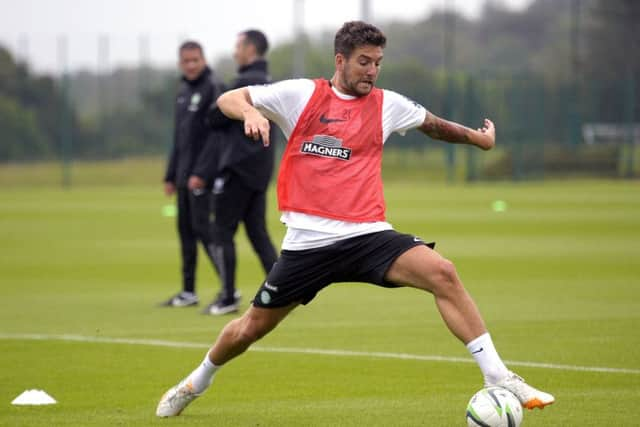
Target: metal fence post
(65,125)
(629,110)
(469,114)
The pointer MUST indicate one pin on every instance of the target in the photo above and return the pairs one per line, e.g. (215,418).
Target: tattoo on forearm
(445,130)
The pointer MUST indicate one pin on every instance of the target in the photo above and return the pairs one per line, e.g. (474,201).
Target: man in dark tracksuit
(240,185)
(190,162)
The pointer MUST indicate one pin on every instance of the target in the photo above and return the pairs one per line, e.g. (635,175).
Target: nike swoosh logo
(324,119)
(477,351)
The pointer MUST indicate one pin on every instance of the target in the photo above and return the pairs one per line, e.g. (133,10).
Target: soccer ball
(494,407)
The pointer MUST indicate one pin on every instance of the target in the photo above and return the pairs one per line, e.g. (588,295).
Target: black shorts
(298,276)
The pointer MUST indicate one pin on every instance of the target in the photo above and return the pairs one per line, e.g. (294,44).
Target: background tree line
(539,73)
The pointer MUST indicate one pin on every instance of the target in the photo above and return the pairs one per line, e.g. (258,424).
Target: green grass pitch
(556,275)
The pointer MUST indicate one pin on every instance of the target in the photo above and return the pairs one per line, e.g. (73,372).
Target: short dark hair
(355,34)
(258,39)
(189,45)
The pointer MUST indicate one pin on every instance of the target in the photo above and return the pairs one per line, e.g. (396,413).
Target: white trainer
(528,396)
(173,402)
(181,299)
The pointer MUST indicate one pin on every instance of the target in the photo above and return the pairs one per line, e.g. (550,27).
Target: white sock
(202,376)
(487,358)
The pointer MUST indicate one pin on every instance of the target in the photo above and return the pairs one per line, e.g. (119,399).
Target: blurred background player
(189,162)
(242,177)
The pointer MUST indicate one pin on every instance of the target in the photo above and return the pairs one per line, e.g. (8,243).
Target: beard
(356,87)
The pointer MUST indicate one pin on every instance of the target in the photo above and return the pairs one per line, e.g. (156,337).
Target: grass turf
(556,276)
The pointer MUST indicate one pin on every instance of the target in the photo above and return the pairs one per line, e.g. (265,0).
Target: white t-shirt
(283,103)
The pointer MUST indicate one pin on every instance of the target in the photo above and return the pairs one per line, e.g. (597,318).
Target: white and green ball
(494,407)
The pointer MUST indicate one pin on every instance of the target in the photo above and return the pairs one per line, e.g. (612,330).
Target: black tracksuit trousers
(193,226)
(233,202)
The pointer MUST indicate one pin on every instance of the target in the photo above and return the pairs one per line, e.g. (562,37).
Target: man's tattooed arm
(444,130)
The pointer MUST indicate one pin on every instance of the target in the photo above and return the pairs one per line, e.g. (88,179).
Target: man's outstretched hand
(489,130)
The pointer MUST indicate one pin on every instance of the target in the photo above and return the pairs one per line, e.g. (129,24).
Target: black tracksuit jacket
(193,102)
(237,153)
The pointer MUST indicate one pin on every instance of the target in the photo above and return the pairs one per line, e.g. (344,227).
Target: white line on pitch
(315,351)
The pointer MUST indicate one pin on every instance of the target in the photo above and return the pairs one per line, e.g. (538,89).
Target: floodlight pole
(143,65)
(23,49)
(365,10)
(299,42)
